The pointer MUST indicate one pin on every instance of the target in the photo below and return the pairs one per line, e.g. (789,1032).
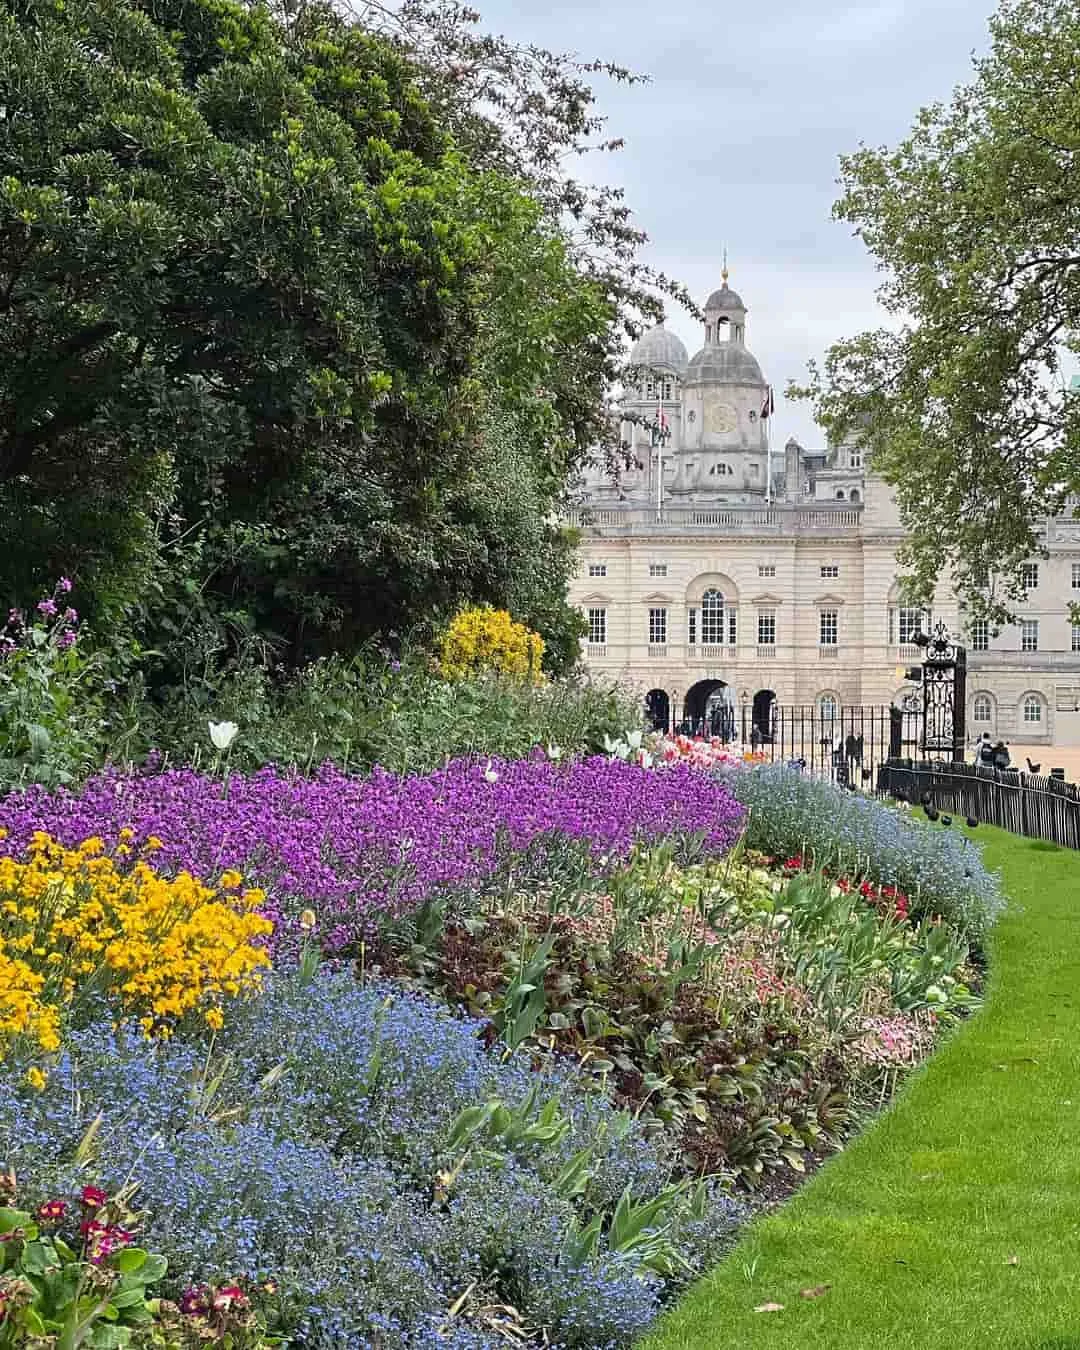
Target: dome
(724,363)
(659,350)
(725,298)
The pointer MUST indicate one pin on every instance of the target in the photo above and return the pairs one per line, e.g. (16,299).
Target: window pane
(1076,576)
(1032,709)
(980,635)
(1029,635)
(981,708)
(1076,637)
(598,569)
(766,629)
(1029,576)
(830,570)
(597,627)
(658,569)
(828,634)
(658,626)
(712,618)
(909,624)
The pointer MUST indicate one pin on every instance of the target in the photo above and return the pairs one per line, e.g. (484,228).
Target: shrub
(940,871)
(75,927)
(344,1142)
(483,639)
(397,714)
(355,848)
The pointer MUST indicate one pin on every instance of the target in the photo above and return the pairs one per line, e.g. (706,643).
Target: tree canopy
(975,220)
(295,337)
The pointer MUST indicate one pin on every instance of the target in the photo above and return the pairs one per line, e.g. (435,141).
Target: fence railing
(1027,804)
(847,744)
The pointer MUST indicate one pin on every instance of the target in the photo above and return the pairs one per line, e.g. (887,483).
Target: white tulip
(633,740)
(554,752)
(489,773)
(223,734)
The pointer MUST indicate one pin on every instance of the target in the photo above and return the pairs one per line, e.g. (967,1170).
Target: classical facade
(719,572)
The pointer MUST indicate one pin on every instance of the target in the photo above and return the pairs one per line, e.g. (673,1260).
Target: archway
(763,716)
(658,709)
(709,709)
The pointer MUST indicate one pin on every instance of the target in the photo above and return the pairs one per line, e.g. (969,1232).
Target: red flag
(768,407)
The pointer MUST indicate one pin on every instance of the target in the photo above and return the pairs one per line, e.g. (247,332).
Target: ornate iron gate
(944,681)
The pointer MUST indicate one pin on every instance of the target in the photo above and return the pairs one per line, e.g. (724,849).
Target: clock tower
(723,441)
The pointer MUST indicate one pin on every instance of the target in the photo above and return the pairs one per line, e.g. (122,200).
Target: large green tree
(975,220)
(277,352)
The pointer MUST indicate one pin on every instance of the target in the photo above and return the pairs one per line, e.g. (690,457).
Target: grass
(954,1221)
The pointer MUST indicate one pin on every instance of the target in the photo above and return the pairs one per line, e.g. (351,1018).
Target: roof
(660,350)
(725,298)
(724,363)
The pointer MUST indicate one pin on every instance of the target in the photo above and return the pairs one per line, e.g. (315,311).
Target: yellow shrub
(73,926)
(485,639)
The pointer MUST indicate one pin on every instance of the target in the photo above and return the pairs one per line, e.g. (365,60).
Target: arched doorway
(709,709)
(658,709)
(763,716)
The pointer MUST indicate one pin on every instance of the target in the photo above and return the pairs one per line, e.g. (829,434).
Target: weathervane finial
(724,270)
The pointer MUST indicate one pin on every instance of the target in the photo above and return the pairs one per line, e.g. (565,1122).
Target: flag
(768,407)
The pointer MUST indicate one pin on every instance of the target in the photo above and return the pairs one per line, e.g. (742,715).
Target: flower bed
(352,848)
(401,1185)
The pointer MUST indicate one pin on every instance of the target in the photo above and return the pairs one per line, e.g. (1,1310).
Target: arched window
(712,617)
(1033,710)
(839,494)
(854,495)
(829,707)
(982,708)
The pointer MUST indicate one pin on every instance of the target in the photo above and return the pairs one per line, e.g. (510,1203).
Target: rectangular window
(980,635)
(1076,637)
(658,569)
(856,457)
(766,570)
(830,570)
(691,626)
(1029,576)
(657,627)
(1076,576)
(597,627)
(598,569)
(766,628)
(732,628)
(909,624)
(829,629)
(1029,635)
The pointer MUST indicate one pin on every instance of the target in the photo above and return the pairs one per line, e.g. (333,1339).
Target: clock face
(720,417)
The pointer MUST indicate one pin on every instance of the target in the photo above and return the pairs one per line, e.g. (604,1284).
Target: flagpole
(768,447)
(659,450)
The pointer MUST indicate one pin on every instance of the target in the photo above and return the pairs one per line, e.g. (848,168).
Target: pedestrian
(1001,755)
(985,752)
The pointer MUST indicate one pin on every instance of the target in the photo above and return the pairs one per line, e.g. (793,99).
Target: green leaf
(128,1259)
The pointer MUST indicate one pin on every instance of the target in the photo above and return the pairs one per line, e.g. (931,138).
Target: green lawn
(954,1221)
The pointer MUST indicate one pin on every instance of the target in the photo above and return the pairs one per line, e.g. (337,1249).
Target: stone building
(720,573)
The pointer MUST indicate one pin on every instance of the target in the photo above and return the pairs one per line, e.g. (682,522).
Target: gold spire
(724,270)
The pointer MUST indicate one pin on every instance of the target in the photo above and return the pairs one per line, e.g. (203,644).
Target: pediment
(766,598)
(658,598)
(828,599)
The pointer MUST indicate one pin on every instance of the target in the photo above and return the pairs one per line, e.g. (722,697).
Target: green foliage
(372,710)
(280,360)
(51,1294)
(751,1014)
(974,219)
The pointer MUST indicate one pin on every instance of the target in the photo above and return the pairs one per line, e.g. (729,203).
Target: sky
(736,141)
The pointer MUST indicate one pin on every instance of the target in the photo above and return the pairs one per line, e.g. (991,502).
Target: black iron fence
(844,744)
(1028,804)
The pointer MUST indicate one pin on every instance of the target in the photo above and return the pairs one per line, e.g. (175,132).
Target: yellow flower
(230,880)
(153,844)
(36,1079)
(307,919)
(215,1018)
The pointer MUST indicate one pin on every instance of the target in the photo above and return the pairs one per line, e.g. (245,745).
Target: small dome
(659,350)
(724,363)
(725,298)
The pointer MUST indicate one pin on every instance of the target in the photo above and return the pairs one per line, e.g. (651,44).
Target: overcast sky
(736,141)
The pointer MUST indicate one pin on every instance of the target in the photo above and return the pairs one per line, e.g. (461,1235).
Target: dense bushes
(347,1141)
(939,869)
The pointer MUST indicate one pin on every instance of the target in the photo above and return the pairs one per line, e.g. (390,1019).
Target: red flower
(92,1229)
(52,1209)
(93,1197)
(228,1296)
(193,1301)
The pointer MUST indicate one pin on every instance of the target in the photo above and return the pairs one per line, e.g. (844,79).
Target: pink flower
(47,607)
(93,1197)
(64,584)
(52,1209)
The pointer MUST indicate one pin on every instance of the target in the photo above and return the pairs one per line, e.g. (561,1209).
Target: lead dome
(660,350)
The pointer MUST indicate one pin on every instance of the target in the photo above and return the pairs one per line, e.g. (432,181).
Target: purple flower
(353,848)
(66,639)
(64,585)
(71,615)
(47,607)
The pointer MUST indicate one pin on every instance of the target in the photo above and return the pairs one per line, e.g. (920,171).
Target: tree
(975,220)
